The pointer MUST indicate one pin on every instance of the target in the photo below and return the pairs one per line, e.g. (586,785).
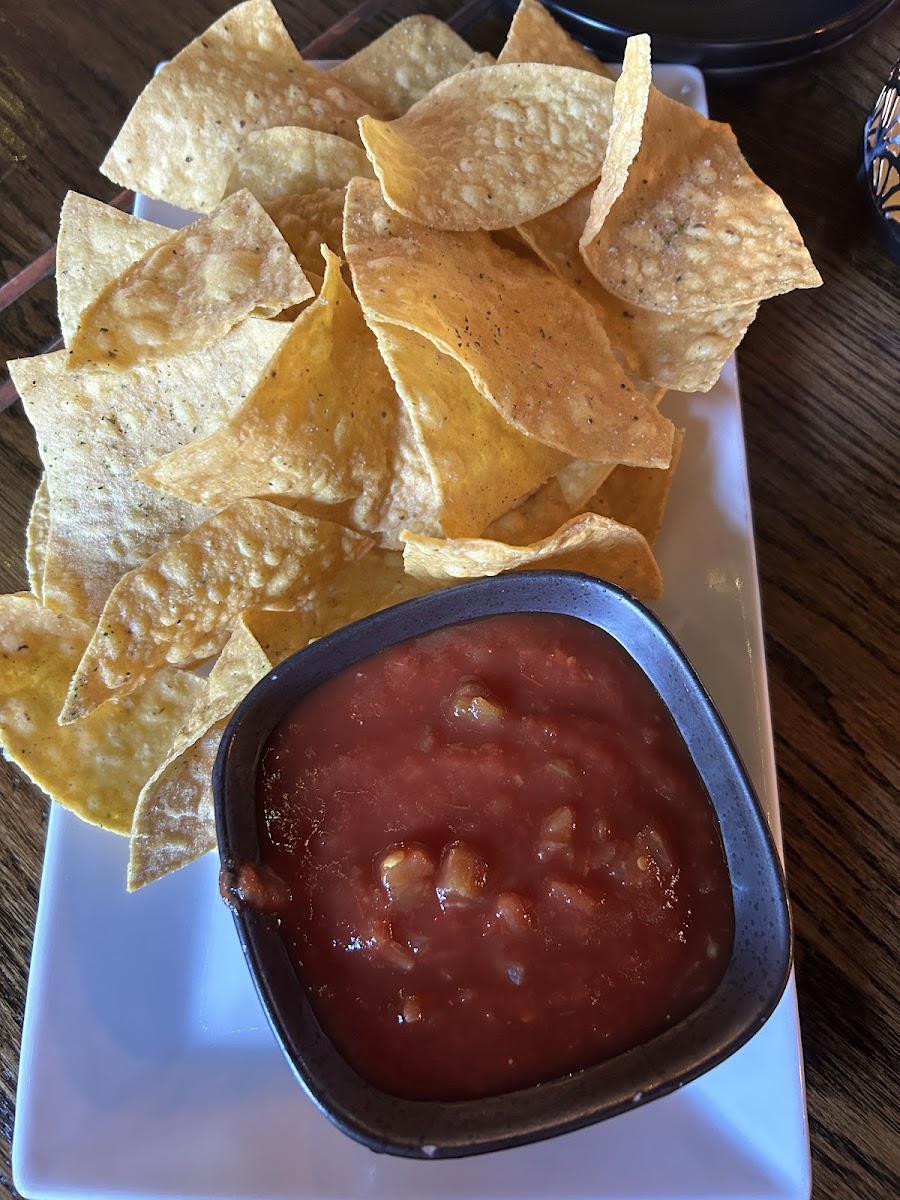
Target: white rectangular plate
(148,1069)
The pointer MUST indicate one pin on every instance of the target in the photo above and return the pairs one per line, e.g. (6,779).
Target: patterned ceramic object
(881,160)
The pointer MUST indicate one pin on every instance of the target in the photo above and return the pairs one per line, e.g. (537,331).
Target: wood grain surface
(820,379)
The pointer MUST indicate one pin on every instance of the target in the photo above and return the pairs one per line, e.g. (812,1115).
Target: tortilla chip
(308,221)
(480,463)
(629,109)
(321,425)
(354,418)
(530,344)
(694,229)
(95,429)
(637,496)
(537,516)
(273,163)
(97,767)
(244,73)
(511,239)
(281,634)
(578,480)
(535,37)
(564,495)
(491,148)
(373,583)
(174,822)
(96,243)
(37,538)
(413,499)
(404,64)
(180,606)
(588,543)
(684,351)
(191,290)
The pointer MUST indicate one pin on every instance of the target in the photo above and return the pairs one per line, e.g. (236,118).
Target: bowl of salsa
(496,867)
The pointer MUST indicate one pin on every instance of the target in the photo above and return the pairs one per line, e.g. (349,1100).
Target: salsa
(496,861)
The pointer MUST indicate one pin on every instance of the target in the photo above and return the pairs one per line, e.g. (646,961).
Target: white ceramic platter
(148,1069)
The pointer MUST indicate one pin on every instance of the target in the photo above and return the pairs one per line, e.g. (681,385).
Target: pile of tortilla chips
(417,332)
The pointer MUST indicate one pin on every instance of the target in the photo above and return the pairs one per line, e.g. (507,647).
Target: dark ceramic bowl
(734,37)
(755,975)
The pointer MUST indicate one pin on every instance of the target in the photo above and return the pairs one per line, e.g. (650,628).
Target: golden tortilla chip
(588,543)
(281,634)
(244,73)
(530,344)
(491,148)
(684,351)
(367,586)
(511,239)
(370,585)
(174,822)
(180,606)
(97,767)
(37,538)
(404,64)
(96,243)
(637,496)
(480,463)
(188,292)
(578,481)
(537,516)
(629,109)
(321,425)
(564,495)
(561,497)
(273,163)
(535,37)
(413,499)
(308,221)
(95,429)
(694,229)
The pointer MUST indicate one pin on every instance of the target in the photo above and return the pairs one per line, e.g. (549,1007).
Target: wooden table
(820,375)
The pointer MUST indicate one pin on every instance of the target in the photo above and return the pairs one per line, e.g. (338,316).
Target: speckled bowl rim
(757,970)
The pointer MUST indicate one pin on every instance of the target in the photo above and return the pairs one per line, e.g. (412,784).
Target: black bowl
(754,978)
(717,35)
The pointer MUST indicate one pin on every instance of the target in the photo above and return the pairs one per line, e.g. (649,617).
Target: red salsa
(500,863)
